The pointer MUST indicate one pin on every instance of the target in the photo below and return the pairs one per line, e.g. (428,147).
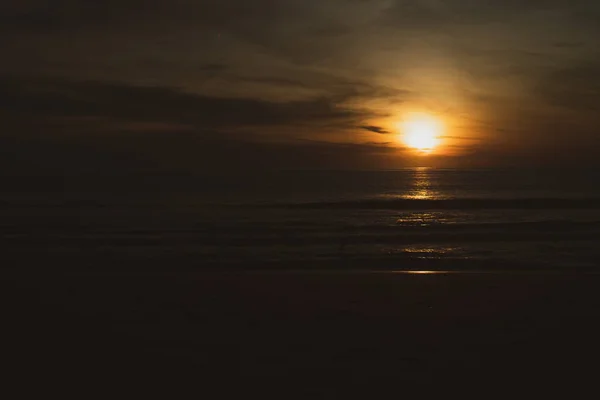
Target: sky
(188,86)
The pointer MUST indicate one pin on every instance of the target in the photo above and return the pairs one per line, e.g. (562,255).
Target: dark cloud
(576,88)
(460,138)
(274,81)
(376,129)
(56,98)
(74,15)
(49,152)
(568,44)
(65,127)
(214,67)
(442,14)
(62,15)
(259,17)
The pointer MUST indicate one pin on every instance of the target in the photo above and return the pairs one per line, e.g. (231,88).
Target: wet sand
(299,334)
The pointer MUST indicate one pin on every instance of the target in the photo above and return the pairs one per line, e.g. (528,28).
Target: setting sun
(421,132)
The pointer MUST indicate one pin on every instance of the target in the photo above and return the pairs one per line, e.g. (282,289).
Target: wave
(453,204)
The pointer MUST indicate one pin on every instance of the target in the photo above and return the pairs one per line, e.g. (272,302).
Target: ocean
(420,219)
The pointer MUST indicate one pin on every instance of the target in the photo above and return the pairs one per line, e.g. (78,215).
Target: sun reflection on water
(422,185)
(424,251)
(441,251)
(420,219)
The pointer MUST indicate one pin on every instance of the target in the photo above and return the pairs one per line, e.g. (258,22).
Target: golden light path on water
(421,187)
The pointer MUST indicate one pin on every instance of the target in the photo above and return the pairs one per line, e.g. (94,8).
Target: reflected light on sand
(425,272)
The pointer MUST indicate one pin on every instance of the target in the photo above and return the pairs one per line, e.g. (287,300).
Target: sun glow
(421,132)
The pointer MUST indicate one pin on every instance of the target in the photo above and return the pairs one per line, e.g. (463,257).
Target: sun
(421,132)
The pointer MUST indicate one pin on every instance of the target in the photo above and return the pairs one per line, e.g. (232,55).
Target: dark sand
(298,335)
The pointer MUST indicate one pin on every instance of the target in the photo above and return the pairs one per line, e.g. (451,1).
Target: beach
(337,332)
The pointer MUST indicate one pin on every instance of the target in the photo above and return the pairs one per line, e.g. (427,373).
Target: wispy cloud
(376,129)
(61,98)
